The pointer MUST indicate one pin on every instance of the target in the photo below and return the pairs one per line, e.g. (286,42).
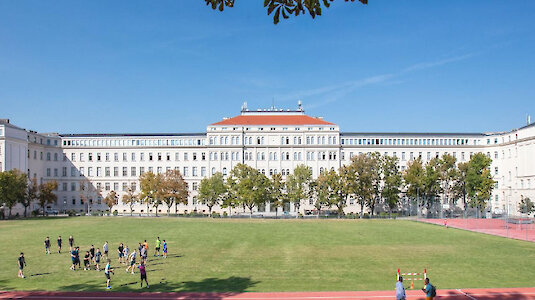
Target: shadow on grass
(213,288)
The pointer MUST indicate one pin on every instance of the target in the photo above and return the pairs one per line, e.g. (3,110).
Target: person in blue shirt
(400,289)
(164,249)
(107,271)
(428,290)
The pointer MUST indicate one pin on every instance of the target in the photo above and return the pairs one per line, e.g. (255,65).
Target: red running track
(497,227)
(464,294)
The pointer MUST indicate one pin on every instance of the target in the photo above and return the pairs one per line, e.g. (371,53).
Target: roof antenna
(273,103)
(299,105)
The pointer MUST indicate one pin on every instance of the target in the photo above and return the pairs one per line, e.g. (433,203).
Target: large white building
(272,141)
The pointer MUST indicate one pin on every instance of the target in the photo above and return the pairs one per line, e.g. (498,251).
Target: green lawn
(266,255)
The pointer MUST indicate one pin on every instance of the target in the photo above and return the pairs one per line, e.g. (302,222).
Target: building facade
(88,166)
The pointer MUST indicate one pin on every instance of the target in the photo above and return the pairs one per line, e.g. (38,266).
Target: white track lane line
(465,294)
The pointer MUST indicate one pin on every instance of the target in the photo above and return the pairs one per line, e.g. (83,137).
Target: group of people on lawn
(94,256)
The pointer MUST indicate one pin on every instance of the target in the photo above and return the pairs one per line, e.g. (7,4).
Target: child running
(132,262)
(59,244)
(47,245)
(87,257)
(107,270)
(157,248)
(22,262)
(143,273)
(164,249)
(98,256)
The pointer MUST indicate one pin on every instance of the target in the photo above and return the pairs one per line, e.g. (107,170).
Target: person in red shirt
(143,273)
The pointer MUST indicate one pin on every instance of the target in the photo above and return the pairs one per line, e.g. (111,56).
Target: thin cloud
(337,91)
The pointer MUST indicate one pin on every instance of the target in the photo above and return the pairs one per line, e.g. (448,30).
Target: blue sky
(177,66)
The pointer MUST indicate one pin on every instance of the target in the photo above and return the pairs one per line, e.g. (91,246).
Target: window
(81,157)
(194,171)
(185,156)
(107,156)
(73,171)
(133,156)
(159,155)
(150,156)
(125,171)
(99,171)
(125,157)
(73,156)
(48,172)
(186,171)
(107,186)
(133,171)
(224,171)
(73,186)
(89,171)
(107,171)
(99,158)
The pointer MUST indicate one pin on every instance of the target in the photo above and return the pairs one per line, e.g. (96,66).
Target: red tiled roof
(273,120)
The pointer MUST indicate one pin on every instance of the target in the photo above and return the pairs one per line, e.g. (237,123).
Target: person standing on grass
(143,254)
(22,262)
(73,259)
(59,244)
(92,253)
(120,250)
(400,289)
(164,249)
(107,270)
(87,257)
(78,257)
(47,245)
(105,249)
(132,262)
(143,273)
(71,243)
(126,253)
(157,248)
(429,290)
(98,256)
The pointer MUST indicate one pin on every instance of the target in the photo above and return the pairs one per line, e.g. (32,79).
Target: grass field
(265,255)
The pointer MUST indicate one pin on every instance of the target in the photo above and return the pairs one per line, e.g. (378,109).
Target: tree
(459,184)
(174,189)
(46,194)
(360,180)
(431,183)
(212,191)
(286,8)
(13,185)
(277,195)
(149,185)
(376,173)
(249,186)
(87,192)
(392,182)
(414,179)
(130,199)
(111,199)
(298,185)
(526,206)
(331,191)
(448,175)
(231,199)
(479,182)
(32,192)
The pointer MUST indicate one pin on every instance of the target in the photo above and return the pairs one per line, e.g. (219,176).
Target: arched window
(224,171)
(213,171)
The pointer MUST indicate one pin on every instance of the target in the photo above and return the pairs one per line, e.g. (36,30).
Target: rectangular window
(125,171)
(73,171)
(107,171)
(186,173)
(73,186)
(125,158)
(90,171)
(99,171)
(133,156)
(116,156)
(133,171)
(194,171)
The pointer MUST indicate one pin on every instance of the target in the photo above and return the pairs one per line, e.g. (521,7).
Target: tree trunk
(169,210)
(361,209)
(210,211)
(25,207)
(10,212)
(148,209)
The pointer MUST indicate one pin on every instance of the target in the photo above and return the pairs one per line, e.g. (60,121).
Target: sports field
(266,255)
